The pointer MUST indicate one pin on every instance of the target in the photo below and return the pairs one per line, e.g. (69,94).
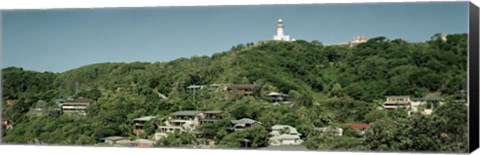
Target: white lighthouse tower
(280,35)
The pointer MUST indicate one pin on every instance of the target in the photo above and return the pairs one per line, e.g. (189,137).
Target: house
(284,135)
(285,139)
(211,116)
(187,119)
(276,97)
(6,124)
(395,102)
(428,105)
(163,131)
(281,129)
(242,89)
(139,123)
(333,131)
(10,103)
(77,106)
(112,139)
(180,121)
(244,123)
(361,127)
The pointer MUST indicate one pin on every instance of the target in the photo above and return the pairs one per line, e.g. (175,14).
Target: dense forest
(329,86)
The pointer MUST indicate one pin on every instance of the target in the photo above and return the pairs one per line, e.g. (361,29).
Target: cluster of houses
(241,89)
(413,105)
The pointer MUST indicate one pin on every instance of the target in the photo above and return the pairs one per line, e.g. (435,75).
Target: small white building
(276,97)
(280,36)
(163,131)
(425,105)
(284,135)
(394,102)
(333,131)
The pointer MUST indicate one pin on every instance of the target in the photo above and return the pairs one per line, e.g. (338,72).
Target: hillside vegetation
(328,86)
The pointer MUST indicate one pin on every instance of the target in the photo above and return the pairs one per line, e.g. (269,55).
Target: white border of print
(78,150)
(48,4)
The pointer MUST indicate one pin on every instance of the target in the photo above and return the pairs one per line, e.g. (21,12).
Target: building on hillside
(357,40)
(242,124)
(163,131)
(211,116)
(139,124)
(77,106)
(425,105)
(284,135)
(284,129)
(186,121)
(285,139)
(276,97)
(395,102)
(330,130)
(361,127)
(280,36)
(242,89)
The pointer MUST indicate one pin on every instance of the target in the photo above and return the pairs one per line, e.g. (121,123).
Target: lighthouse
(280,36)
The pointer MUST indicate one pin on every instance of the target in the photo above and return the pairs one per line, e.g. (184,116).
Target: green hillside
(327,85)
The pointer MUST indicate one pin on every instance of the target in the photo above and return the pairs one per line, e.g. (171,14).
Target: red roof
(361,126)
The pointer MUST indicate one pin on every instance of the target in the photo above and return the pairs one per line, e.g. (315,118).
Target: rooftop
(428,99)
(276,94)
(361,126)
(146,118)
(292,130)
(245,121)
(399,96)
(213,112)
(185,113)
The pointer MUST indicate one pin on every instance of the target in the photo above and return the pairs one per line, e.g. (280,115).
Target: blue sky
(64,39)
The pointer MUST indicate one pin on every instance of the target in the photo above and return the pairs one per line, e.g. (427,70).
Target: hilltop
(328,86)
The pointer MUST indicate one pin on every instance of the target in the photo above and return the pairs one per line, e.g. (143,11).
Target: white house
(284,135)
(425,105)
(333,131)
(394,102)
